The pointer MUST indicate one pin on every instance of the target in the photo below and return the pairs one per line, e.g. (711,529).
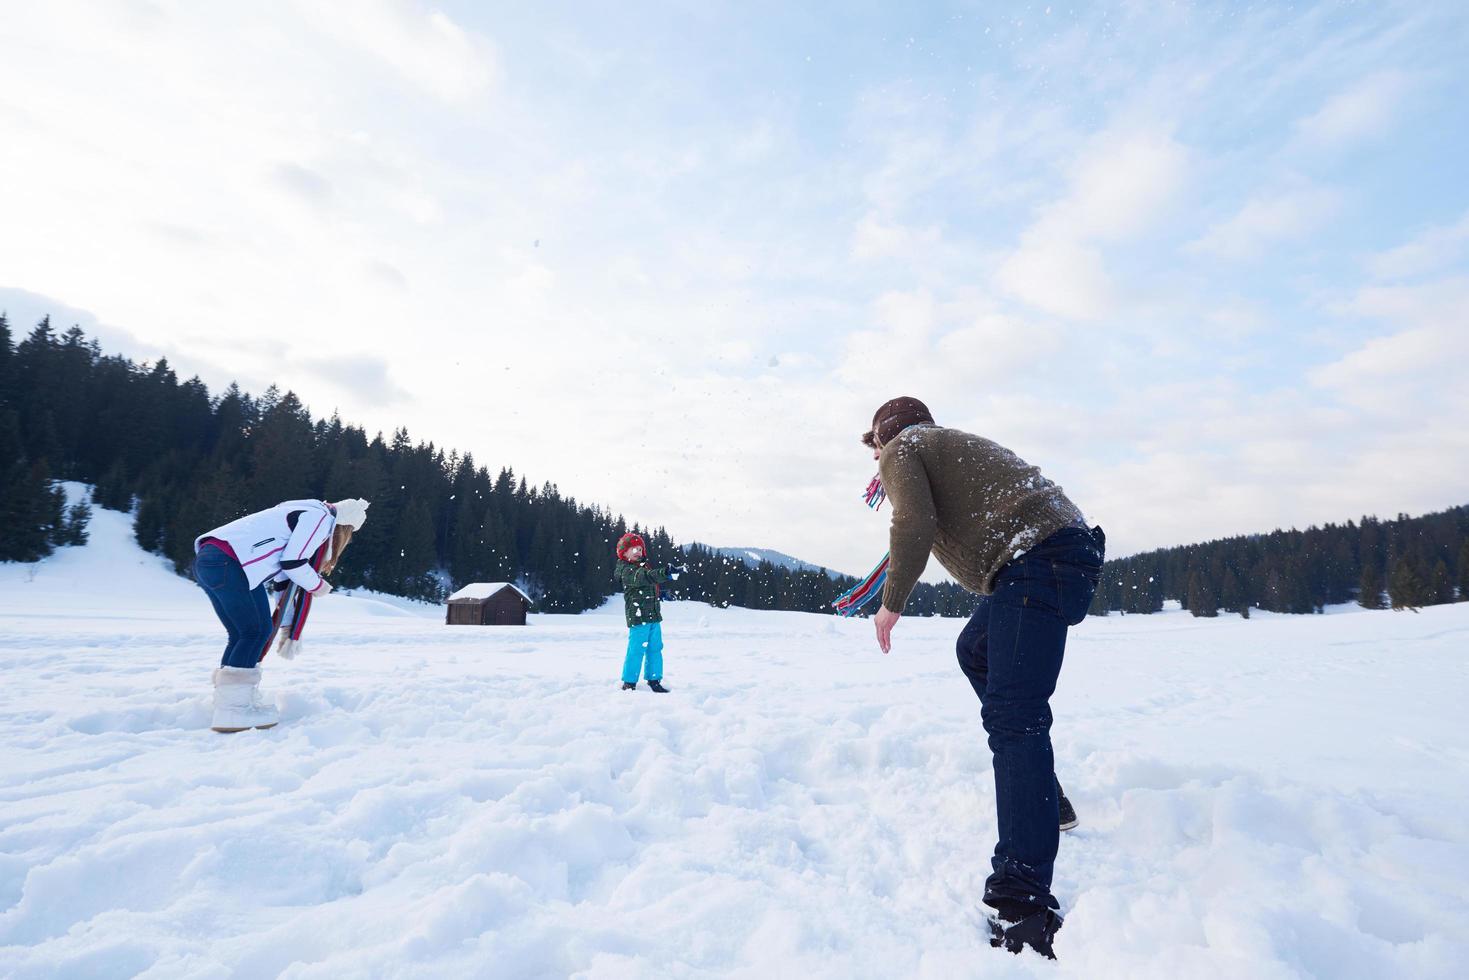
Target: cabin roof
(483,590)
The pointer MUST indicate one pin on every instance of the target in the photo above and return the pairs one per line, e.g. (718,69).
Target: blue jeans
(1011,651)
(244,612)
(643,641)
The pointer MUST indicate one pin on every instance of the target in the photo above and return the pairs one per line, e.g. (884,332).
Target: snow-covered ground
(1283,797)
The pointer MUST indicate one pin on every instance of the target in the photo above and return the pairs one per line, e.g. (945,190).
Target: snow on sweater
(971,502)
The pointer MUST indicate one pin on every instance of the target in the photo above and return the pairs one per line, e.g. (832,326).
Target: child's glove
(675,570)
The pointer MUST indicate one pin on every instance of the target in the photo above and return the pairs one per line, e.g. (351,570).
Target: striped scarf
(293,608)
(850,603)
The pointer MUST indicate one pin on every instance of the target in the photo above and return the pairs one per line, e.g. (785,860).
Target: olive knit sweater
(971,502)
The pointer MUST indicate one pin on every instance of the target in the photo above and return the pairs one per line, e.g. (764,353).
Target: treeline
(724,581)
(184,461)
(34,517)
(1405,563)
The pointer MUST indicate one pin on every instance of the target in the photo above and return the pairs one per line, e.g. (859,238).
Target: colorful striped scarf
(292,609)
(850,603)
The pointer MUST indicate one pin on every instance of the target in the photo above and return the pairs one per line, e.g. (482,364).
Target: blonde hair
(341,537)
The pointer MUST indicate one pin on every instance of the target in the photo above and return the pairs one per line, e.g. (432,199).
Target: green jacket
(640,592)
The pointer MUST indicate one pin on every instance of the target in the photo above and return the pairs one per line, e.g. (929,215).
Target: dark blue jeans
(1011,651)
(244,612)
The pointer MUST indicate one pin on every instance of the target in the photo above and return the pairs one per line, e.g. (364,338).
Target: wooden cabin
(487,604)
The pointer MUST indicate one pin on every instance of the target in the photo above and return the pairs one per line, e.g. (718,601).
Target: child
(644,619)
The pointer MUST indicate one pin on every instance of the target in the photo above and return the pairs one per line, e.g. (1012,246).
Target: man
(1006,532)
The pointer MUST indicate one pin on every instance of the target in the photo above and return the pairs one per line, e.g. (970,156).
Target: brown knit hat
(893,417)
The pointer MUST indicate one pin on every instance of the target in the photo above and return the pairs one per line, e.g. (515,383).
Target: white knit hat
(352,512)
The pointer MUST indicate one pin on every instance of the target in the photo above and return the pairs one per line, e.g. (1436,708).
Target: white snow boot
(237,702)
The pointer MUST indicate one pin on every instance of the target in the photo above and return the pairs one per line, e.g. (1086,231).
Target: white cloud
(1236,321)
(423,45)
(1204,460)
(950,352)
(1363,110)
(1059,276)
(874,238)
(1433,250)
(1267,220)
(1414,369)
(306,184)
(361,376)
(914,153)
(1120,184)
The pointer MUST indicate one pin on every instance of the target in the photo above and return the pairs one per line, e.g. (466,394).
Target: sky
(1206,264)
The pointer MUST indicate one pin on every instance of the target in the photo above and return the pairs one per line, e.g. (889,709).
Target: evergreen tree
(1232,595)
(73,531)
(408,569)
(145,420)
(1406,586)
(152,518)
(34,367)
(1440,584)
(31,512)
(232,419)
(1464,571)
(41,440)
(215,500)
(1344,567)
(1369,592)
(11,449)
(71,375)
(7,353)
(114,490)
(51,505)
(281,449)
(1200,599)
(25,492)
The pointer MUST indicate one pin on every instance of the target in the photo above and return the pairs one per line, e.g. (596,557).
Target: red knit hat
(630,540)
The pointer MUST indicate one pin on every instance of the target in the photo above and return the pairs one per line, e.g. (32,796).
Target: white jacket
(279,543)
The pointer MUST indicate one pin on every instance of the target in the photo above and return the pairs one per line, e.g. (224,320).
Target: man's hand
(321,590)
(885,620)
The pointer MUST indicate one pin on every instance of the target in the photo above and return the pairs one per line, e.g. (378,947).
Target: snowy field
(1283,797)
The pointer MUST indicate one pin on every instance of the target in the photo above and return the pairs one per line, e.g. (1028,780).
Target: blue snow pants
(245,612)
(645,640)
(1011,651)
